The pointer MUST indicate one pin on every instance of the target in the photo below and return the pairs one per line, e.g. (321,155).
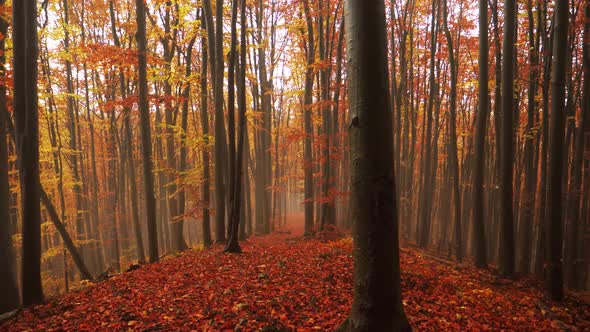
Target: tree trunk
(72,128)
(506,201)
(146,140)
(479,240)
(180,242)
(307,111)
(453,159)
(377,304)
(235,214)
(424,221)
(528,194)
(205,153)
(25,103)
(10,297)
(74,252)
(553,216)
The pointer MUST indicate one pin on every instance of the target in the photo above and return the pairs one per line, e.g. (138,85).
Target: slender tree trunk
(231,106)
(542,190)
(453,159)
(205,153)
(127,152)
(146,140)
(74,252)
(553,216)
(232,244)
(307,111)
(94,209)
(181,244)
(175,218)
(72,128)
(479,240)
(423,232)
(528,194)
(506,201)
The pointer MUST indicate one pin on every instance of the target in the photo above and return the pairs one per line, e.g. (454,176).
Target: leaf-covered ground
(282,282)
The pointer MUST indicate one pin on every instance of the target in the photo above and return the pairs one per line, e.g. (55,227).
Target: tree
(506,214)
(25,101)
(579,270)
(453,159)
(179,241)
(528,193)
(205,154)
(10,298)
(479,242)
(215,52)
(220,143)
(377,304)
(308,100)
(235,213)
(424,222)
(82,232)
(127,152)
(553,216)
(231,112)
(146,139)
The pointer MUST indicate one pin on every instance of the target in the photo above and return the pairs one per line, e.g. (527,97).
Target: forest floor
(283,282)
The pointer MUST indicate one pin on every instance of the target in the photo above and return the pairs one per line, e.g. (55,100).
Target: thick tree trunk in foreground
(146,139)
(553,216)
(377,304)
(24,40)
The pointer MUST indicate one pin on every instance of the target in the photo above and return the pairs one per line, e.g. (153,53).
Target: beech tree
(308,100)
(507,159)
(146,147)
(377,304)
(480,131)
(26,116)
(553,216)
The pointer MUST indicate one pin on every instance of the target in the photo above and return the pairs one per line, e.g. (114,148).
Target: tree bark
(10,298)
(377,304)
(307,109)
(506,200)
(553,216)
(236,209)
(453,159)
(26,115)
(146,140)
(205,153)
(479,240)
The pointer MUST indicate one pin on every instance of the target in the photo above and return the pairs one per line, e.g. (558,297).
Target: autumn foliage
(283,282)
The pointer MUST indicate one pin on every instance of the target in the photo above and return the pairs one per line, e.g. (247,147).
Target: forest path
(283,282)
